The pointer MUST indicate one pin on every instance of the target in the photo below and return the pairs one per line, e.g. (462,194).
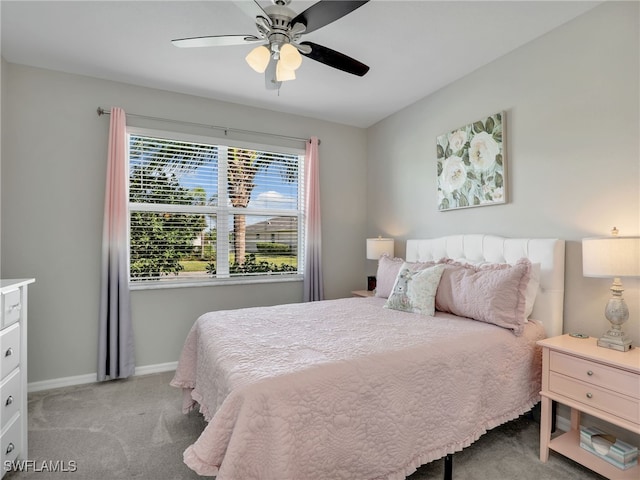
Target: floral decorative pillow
(388,269)
(414,291)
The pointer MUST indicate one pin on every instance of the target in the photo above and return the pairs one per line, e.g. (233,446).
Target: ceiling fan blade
(324,12)
(270,76)
(251,8)
(335,59)
(215,41)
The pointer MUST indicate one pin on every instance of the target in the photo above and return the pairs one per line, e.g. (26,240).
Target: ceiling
(413,48)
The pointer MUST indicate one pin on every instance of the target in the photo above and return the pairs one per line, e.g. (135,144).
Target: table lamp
(616,257)
(376,248)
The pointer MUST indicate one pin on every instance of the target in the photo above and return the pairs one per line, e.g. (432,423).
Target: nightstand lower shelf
(568,444)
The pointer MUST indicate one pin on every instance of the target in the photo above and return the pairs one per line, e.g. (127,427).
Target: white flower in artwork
(483,151)
(457,140)
(495,194)
(454,173)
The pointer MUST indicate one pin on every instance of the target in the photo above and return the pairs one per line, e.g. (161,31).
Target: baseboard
(157,368)
(91,377)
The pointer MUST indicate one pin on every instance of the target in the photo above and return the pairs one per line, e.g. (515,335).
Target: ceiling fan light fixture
(258,58)
(283,74)
(290,57)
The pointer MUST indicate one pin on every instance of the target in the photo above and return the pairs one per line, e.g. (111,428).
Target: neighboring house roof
(274,224)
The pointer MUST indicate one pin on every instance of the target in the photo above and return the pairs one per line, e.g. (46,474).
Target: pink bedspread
(346,389)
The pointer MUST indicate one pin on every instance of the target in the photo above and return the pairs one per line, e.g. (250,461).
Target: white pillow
(415,291)
(532,289)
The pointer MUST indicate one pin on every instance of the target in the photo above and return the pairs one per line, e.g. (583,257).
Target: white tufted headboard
(548,252)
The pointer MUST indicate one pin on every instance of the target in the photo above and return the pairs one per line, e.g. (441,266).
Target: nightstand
(601,382)
(362,293)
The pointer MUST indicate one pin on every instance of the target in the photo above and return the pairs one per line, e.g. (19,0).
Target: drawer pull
(17,306)
(590,372)
(9,401)
(589,395)
(10,448)
(9,352)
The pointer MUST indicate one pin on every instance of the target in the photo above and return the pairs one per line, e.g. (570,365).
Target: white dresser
(13,371)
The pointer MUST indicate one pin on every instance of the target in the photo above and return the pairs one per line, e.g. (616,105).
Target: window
(202,211)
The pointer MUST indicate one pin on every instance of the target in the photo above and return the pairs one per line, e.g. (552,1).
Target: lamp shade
(283,74)
(290,57)
(258,58)
(611,257)
(376,247)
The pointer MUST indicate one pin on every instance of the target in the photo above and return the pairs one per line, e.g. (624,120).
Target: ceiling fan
(279,32)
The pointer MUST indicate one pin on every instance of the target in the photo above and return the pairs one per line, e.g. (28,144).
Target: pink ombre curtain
(313,288)
(115,348)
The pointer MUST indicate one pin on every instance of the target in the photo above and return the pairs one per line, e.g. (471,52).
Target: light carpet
(134,429)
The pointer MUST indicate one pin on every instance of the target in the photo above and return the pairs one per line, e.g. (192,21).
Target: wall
(1,95)
(571,100)
(54,161)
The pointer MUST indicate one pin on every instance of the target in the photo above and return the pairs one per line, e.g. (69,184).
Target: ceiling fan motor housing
(280,31)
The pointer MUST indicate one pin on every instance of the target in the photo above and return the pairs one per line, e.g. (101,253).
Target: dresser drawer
(609,378)
(10,397)
(593,396)
(11,307)
(9,349)
(10,442)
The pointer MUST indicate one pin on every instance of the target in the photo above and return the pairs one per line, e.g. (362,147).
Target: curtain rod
(102,111)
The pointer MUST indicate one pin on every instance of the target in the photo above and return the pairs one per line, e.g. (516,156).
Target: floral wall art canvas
(472,165)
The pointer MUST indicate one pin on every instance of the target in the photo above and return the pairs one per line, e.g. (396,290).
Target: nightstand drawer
(593,396)
(9,349)
(609,378)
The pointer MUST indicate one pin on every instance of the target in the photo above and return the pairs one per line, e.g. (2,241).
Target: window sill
(214,282)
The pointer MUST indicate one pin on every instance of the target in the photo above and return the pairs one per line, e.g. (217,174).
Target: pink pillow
(490,293)
(388,269)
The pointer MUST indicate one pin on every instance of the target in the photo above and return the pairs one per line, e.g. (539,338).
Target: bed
(355,389)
